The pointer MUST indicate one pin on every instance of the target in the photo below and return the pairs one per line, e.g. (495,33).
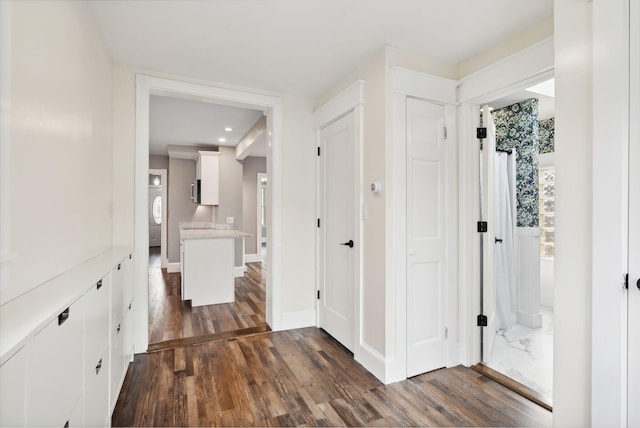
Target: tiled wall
(517,127)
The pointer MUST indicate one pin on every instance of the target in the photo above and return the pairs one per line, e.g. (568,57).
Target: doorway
(518,203)
(272,107)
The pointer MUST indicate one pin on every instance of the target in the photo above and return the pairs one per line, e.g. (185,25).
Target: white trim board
(272,106)
(173,267)
(252,258)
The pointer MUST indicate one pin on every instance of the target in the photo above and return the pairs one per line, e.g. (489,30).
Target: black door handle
(349,243)
(638,283)
(498,240)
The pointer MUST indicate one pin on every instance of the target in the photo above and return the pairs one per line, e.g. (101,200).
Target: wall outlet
(230,220)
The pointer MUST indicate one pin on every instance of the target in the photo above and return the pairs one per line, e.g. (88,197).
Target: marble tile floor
(526,354)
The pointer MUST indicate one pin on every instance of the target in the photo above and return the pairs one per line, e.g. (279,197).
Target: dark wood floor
(170,318)
(304,377)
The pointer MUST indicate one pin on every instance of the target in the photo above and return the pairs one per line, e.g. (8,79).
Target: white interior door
(155,215)
(337,246)
(426,237)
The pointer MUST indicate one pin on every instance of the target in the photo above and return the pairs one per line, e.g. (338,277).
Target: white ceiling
(181,122)
(301,47)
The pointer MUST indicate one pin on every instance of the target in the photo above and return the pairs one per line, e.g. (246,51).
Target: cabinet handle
(119,266)
(118,329)
(99,285)
(64,315)
(129,306)
(130,255)
(99,366)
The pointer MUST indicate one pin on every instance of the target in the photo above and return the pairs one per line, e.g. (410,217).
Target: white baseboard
(252,258)
(300,319)
(529,320)
(164,262)
(373,361)
(173,267)
(238,271)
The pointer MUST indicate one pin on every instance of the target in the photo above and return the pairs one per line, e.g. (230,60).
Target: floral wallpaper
(547,134)
(517,127)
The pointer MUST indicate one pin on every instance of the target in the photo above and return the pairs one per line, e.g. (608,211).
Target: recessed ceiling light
(228,129)
(222,140)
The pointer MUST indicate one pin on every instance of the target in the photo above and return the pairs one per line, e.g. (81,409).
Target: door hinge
(481,133)
(445,132)
(318,150)
(446,332)
(625,281)
(318,296)
(318,222)
(482,226)
(482,321)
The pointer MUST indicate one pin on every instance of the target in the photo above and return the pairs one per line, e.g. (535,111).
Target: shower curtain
(505,222)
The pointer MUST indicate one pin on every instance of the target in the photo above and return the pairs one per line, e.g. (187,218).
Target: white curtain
(505,222)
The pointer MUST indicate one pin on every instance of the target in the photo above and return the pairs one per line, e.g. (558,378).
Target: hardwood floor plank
(304,378)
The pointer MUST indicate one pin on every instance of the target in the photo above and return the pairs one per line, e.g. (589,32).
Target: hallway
(304,377)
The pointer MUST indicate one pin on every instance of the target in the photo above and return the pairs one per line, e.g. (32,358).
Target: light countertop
(205,230)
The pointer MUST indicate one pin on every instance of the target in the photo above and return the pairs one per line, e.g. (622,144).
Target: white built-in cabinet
(66,367)
(207,171)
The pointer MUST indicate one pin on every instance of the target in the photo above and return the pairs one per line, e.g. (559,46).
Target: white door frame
(516,72)
(349,100)
(163,228)
(612,127)
(272,106)
(408,83)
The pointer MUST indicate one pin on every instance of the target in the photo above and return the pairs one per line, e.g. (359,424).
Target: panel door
(338,249)
(12,390)
(426,237)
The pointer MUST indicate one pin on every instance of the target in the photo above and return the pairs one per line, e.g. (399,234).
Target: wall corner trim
(339,105)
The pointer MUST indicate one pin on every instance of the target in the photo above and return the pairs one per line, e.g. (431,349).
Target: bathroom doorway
(518,194)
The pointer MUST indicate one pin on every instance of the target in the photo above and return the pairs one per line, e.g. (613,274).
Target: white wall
(230,188)
(573,136)
(61,157)
(251,166)
(298,177)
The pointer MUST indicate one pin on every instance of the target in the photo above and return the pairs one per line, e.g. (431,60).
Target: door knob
(349,243)
(638,283)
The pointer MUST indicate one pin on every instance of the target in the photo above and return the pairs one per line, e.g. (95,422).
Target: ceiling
(301,47)
(182,122)
(546,104)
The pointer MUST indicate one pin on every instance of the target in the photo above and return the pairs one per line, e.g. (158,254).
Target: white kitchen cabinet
(128,275)
(207,171)
(55,362)
(119,362)
(12,390)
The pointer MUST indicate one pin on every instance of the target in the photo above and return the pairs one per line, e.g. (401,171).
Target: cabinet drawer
(118,343)
(96,319)
(117,293)
(96,392)
(12,390)
(55,369)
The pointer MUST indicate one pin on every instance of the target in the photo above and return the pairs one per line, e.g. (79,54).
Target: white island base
(207,271)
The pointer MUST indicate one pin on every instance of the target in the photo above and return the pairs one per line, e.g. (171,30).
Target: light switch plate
(230,220)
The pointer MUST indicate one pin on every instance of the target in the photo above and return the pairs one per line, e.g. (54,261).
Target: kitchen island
(207,262)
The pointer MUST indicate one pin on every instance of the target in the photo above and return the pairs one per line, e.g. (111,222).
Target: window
(547,211)
(156,209)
